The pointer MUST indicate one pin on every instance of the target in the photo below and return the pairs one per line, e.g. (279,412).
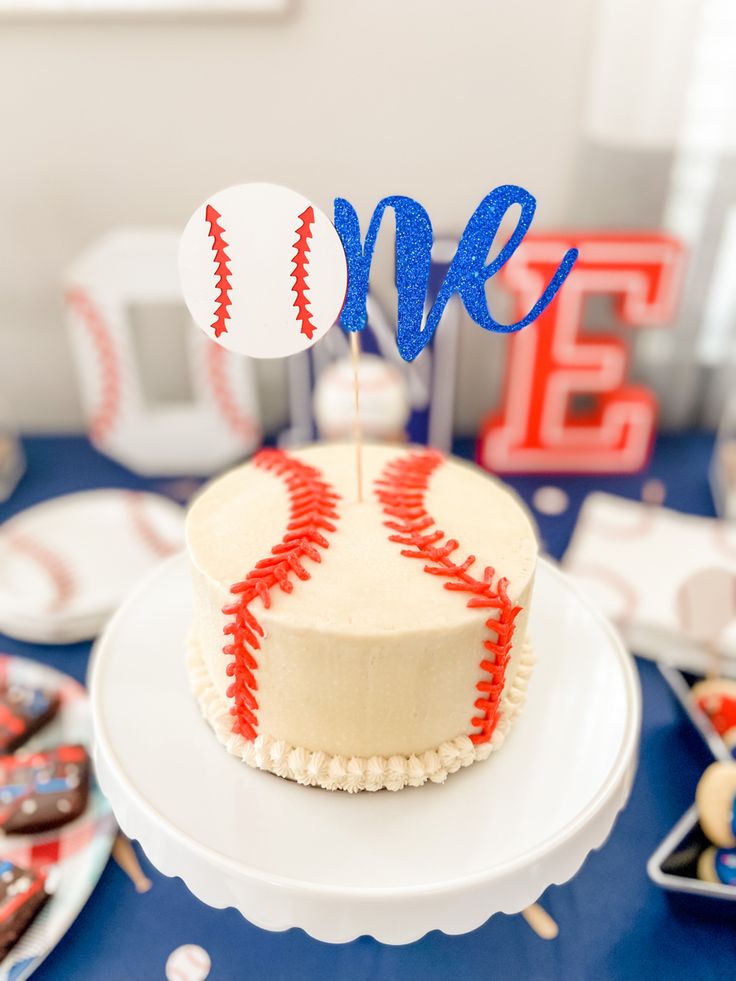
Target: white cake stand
(391,865)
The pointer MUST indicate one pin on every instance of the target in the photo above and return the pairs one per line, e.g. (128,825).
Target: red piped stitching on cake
(222,270)
(299,274)
(312,513)
(401,490)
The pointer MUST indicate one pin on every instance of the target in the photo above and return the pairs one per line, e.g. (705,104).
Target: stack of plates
(66,564)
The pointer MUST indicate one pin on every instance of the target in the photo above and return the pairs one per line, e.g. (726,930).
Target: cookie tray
(686,892)
(680,685)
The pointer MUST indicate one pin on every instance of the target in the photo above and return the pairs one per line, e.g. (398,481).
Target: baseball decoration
(716,698)
(668,580)
(263,270)
(214,425)
(550,364)
(190,962)
(384,399)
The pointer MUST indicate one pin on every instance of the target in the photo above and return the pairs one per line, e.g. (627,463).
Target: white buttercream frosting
(368,657)
(355,773)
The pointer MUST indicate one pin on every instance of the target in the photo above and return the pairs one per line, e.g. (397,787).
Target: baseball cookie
(716,697)
(714,798)
(718,865)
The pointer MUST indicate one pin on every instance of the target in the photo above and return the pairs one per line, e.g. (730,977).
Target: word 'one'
(467,275)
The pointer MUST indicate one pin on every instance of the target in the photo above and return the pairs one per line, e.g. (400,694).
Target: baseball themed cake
(360,645)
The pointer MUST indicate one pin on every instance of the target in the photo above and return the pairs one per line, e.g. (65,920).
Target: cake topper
(467,275)
(263,271)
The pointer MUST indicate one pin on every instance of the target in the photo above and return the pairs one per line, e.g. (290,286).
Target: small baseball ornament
(190,962)
(384,400)
(263,270)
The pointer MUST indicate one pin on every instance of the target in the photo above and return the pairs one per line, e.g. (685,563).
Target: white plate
(67,563)
(75,855)
(390,865)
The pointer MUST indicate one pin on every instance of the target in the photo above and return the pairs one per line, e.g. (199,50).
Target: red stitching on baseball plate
(222,270)
(142,523)
(240,423)
(107,411)
(401,490)
(299,274)
(312,513)
(57,570)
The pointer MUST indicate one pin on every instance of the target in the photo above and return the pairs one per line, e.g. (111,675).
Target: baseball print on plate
(263,270)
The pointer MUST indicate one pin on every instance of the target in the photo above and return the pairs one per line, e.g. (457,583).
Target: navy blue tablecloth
(613,922)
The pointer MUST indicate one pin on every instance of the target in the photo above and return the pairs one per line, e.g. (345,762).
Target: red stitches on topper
(109,407)
(299,274)
(311,516)
(212,217)
(401,490)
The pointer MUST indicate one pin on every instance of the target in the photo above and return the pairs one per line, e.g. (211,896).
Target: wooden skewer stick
(540,921)
(125,856)
(357,427)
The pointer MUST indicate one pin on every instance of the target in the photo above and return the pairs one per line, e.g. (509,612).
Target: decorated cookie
(718,865)
(22,894)
(23,711)
(716,697)
(715,798)
(43,790)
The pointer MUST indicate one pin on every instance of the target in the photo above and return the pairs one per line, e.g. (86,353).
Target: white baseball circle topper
(263,270)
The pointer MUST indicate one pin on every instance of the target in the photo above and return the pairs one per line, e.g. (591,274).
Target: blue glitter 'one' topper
(467,275)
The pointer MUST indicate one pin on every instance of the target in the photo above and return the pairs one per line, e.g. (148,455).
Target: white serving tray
(393,866)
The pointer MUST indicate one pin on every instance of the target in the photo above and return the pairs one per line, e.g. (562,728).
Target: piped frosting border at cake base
(355,773)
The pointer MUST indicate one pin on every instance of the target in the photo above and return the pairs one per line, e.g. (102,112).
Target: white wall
(135,122)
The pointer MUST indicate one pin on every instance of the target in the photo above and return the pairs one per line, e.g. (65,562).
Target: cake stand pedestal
(390,865)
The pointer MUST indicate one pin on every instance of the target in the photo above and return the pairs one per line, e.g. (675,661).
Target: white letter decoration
(205,433)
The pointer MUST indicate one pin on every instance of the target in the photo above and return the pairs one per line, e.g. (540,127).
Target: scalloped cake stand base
(390,865)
